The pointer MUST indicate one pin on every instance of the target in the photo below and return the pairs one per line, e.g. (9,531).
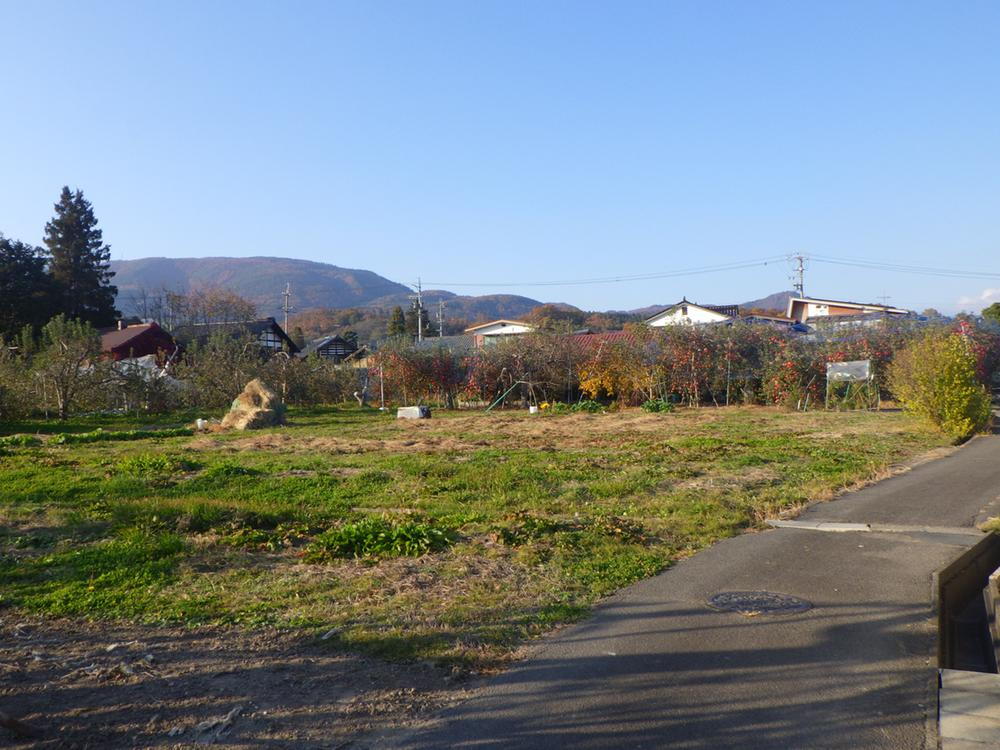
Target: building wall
(686,315)
(814,310)
(501,329)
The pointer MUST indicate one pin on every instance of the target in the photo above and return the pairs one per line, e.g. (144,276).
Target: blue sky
(482,142)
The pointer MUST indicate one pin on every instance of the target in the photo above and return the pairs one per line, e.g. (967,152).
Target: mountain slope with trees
(261,280)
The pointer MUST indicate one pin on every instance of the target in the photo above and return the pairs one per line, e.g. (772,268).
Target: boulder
(256,407)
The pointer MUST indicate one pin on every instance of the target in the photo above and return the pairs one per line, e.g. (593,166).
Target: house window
(270,340)
(684,309)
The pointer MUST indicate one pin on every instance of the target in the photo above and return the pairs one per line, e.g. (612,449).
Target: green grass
(454,539)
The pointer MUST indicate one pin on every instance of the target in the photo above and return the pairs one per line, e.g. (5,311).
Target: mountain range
(321,285)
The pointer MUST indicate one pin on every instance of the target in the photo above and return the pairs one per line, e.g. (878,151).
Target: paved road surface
(656,668)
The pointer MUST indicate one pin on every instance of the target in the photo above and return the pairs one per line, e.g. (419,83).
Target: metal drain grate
(758,603)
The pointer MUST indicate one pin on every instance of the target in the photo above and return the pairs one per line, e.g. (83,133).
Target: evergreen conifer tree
(411,322)
(397,323)
(80,264)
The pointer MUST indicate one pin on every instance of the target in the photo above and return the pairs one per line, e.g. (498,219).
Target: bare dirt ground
(479,431)
(88,686)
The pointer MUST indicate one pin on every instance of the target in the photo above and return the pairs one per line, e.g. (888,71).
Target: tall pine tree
(80,264)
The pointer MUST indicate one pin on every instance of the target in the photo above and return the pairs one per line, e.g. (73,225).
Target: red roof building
(136,341)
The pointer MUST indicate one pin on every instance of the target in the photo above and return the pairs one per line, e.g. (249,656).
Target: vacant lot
(276,571)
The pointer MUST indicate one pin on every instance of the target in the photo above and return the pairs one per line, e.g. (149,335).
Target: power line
(877,265)
(798,272)
(735,266)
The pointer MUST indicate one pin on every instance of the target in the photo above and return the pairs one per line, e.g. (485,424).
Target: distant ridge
(259,279)
(472,308)
(316,286)
(776,301)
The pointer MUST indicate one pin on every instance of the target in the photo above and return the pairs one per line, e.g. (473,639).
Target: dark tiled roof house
(136,341)
(268,333)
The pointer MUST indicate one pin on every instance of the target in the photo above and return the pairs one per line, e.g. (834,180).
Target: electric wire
(875,265)
(735,266)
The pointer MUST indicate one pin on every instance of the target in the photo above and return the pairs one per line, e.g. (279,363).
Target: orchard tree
(80,264)
(26,289)
(70,349)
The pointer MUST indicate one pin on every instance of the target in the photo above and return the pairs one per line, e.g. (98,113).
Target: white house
(802,309)
(689,313)
(495,330)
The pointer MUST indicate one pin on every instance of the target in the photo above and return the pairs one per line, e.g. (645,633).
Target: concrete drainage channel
(966,599)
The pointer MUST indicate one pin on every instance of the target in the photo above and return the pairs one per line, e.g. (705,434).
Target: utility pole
(418,298)
(799,274)
(285,307)
(885,298)
(440,318)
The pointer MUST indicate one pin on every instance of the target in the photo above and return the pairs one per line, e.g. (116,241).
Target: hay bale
(256,407)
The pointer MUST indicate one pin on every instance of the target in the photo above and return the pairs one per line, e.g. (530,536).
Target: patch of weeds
(155,466)
(604,569)
(228,470)
(19,441)
(586,406)
(117,578)
(370,480)
(527,528)
(273,540)
(378,537)
(32,541)
(991,525)
(618,527)
(99,435)
(658,406)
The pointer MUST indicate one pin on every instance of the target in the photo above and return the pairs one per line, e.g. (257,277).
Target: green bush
(378,537)
(658,405)
(935,377)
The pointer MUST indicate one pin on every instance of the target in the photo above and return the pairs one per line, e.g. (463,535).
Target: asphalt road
(655,667)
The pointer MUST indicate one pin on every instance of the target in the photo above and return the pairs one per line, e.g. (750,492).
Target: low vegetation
(453,539)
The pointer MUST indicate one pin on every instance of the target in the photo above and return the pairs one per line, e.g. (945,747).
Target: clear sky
(514,141)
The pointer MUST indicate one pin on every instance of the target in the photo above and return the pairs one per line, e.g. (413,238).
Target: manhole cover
(758,603)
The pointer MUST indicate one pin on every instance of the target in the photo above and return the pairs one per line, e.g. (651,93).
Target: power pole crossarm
(799,274)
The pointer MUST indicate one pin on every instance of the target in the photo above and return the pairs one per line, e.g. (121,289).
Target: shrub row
(660,366)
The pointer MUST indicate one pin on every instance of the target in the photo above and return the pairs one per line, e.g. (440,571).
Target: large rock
(257,406)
